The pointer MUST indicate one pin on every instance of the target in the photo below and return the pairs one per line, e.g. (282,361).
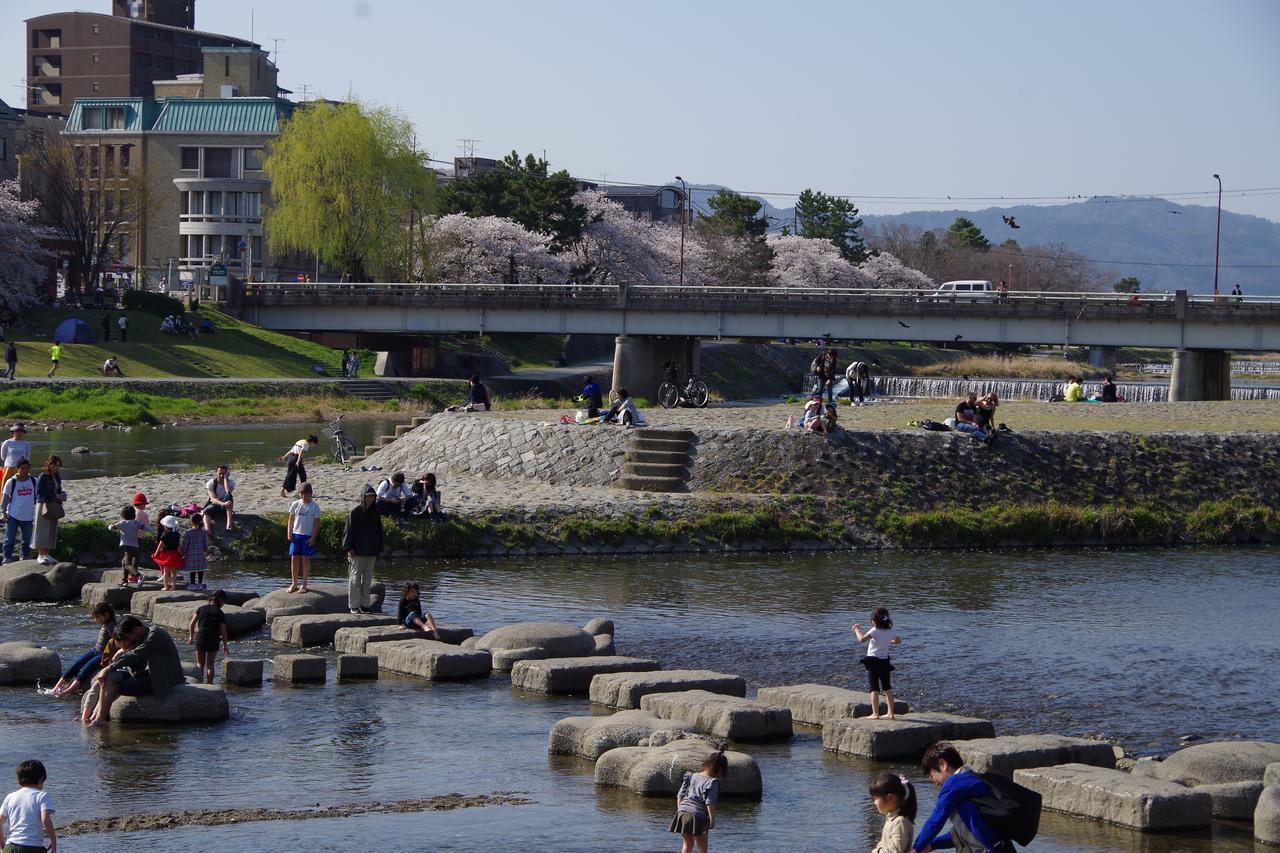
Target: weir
(1045,389)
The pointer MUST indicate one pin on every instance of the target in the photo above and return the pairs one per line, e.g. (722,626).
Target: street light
(1217,243)
(684,207)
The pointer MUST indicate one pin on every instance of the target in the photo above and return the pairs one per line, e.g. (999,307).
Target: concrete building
(659,203)
(72,55)
(10,125)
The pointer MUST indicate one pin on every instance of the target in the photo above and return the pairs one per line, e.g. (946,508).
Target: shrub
(89,536)
(159,304)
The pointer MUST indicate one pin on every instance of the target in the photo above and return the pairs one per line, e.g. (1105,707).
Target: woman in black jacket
(49,498)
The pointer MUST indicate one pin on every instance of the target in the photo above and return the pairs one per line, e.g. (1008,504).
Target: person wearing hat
(168,552)
(12,449)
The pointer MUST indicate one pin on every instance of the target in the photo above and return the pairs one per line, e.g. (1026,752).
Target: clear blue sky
(863,98)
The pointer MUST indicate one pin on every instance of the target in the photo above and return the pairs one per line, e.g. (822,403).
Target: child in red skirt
(168,553)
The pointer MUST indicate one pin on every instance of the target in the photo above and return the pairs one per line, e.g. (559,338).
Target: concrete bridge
(654,323)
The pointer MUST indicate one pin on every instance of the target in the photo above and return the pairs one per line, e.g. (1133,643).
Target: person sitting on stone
(957,790)
(1074,392)
(150,666)
(812,417)
(966,418)
(986,414)
(628,415)
(592,396)
(1109,394)
(394,497)
(428,497)
(410,614)
(830,418)
(110,368)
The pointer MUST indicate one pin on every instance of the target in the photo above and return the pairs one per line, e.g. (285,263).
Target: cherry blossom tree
(812,262)
(886,271)
(22,271)
(490,250)
(617,247)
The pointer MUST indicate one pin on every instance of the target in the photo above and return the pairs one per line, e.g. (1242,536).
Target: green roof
(221,115)
(138,112)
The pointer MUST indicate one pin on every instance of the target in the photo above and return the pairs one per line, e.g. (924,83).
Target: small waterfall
(932,387)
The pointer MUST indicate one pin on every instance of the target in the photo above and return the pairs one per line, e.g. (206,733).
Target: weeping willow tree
(349,186)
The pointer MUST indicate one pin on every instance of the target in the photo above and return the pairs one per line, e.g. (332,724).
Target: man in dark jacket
(150,666)
(362,540)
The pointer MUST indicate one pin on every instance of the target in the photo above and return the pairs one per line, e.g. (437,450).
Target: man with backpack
(394,497)
(962,796)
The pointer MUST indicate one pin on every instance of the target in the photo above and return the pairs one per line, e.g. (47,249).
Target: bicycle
(342,447)
(695,394)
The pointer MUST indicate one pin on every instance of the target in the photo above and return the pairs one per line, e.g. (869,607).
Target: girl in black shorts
(878,640)
(208,628)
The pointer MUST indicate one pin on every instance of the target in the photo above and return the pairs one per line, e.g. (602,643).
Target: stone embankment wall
(477,445)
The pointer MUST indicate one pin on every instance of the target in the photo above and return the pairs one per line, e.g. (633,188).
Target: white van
(967,287)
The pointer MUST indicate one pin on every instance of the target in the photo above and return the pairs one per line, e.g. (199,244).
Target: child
(195,552)
(304,518)
(208,626)
(144,527)
(83,669)
(296,470)
(880,638)
(26,816)
(410,615)
(128,528)
(168,554)
(895,798)
(696,802)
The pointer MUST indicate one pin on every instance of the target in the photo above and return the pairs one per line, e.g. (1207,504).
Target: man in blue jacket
(958,788)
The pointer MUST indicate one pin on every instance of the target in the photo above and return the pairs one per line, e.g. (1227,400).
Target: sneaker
(355,611)
(46,561)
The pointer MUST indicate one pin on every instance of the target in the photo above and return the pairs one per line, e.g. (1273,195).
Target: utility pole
(684,209)
(1217,242)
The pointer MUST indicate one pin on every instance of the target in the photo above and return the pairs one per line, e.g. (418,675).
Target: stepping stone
(1218,762)
(176,616)
(659,770)
(357,666)
(244,673)
(1266,817)
(814,704)
(1271,776)
(28,580)
(1138,802)
(24,662)
(296,669)
(186,703)
(93,594)
(319,598)
(431,659)
(1006,754)
(904,737)
(355,641)
(572,675)
(1233,800)
(590,737)
(625,689)
(728,717)
(142,602)
(319,628)
(539,640)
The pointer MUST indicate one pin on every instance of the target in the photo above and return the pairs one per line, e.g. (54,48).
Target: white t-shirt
(219,492)
(21,498)
(14,449)
(300,448)
(386,489)
(878,647)
(303,517)
(123,322)
(21,811)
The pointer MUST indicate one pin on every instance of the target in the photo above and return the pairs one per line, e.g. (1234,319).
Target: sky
(897,105)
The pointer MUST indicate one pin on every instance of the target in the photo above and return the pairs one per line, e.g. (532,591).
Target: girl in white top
(12,449)
(878,640)
(895,798)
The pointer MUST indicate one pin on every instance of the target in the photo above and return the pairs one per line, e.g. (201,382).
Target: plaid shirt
(195,544)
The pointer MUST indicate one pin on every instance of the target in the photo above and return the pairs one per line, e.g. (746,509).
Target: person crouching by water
(592,396)
(410,615)
(208,629)
(894,797)
(295,471)
(696,802)
(150,666)
(957,791)
(362,540)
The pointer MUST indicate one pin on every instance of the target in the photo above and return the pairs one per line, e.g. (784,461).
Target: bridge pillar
(1103,357)
(637,362)
(1200,375)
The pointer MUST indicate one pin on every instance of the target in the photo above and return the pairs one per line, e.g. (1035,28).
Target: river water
(1142,646)
(114,452)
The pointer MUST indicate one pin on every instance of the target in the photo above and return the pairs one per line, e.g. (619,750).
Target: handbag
(53,510)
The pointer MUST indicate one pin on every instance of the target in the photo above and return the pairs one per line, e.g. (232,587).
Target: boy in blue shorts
(304,524)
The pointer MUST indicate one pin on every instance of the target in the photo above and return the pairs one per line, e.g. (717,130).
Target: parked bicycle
(695,394)
(342,447)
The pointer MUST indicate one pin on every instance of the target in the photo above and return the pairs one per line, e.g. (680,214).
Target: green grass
(237,350)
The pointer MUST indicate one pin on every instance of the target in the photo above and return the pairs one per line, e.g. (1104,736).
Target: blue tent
(74,332)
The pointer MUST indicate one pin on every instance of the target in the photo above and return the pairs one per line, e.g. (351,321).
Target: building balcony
(232,226)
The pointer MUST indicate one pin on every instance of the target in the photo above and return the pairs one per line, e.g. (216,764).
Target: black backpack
(934,426)
(1011,809)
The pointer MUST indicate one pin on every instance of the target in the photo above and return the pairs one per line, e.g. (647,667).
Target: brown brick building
(74,55)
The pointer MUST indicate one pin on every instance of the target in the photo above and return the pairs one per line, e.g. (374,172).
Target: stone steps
(656,457)
(643,442)
(368,389)
(650,484)
(658,469)
(657,460)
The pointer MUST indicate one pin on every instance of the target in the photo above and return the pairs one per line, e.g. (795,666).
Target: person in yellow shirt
(55,354)
(1074,392)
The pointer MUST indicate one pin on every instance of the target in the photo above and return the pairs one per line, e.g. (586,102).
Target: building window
(253,205)
(217,163)
(197,203)
(95,161)
(253,159)
(226,66)
(4,149)
(93,118)
(215,204)
(232,204)
(190,158)
(126,154)
(95,29)
(115,115)
(109,160)
(95,59)
(94,85)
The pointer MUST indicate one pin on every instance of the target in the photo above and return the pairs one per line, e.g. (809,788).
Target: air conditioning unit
(229,90)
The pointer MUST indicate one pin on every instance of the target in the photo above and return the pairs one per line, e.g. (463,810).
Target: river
(1146,647)
(115,452)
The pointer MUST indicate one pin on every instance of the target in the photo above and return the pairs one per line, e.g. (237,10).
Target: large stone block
(357,666)
(535,640)
(1006,754)
(1266,816)
(658,770)
(186,703)
(1233,800)
(590,737)
(572,675)
(813,704)
(245,673)
(1138,802)
(625,689)
(28,580)
(23,662)
(295,669)
(1271,776)
(142,603)
(93,594)
(905,737)
(176,616)
(431,659)
(729,717)
(319,598)
(1218,762)
(317,629)
(355,641)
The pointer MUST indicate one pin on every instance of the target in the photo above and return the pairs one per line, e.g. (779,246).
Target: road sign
(218,273)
